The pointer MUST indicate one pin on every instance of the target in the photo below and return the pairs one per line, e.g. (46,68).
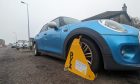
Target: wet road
(21,67)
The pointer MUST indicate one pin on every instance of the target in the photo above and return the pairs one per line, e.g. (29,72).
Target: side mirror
(52,25)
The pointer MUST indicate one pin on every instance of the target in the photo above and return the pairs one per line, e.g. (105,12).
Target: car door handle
(45,34)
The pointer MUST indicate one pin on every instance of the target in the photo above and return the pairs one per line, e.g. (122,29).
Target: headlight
(110,24)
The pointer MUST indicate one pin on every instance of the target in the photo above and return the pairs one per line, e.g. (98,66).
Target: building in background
(136,22)
(119,16)
(2,43)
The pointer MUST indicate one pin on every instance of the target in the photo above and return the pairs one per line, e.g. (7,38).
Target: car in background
(26,44)
(14,45)
(22,44)
(105,43)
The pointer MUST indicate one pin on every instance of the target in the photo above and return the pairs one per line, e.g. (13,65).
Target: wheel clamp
(76,61)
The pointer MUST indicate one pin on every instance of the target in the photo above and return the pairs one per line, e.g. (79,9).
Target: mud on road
(22,67)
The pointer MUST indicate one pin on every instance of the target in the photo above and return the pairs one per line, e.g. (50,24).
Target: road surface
(21,67)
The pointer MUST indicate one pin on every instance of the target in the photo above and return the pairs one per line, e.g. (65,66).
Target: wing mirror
(52,25)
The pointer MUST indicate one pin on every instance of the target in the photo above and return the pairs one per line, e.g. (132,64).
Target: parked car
(14,45)
(22,44)
(26,45)
(105,43)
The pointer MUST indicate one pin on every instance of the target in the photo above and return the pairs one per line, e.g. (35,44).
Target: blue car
(105,43)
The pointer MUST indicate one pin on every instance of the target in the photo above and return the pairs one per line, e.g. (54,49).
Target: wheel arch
(94,36)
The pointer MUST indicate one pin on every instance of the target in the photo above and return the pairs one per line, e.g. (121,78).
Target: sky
(13,14)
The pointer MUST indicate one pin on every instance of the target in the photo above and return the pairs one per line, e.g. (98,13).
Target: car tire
(36,52)
(95,60)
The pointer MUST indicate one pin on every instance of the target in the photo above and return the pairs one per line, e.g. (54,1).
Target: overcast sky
(13,15)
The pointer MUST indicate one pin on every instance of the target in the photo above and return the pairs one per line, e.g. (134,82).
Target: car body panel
(40,40)
(53,40)
(116,43)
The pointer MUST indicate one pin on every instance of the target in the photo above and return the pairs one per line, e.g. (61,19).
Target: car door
(53,39)
(40,38)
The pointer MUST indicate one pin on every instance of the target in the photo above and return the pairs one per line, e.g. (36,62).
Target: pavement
(22,67)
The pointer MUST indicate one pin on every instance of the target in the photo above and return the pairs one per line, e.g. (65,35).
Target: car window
(68,20)
(44,28)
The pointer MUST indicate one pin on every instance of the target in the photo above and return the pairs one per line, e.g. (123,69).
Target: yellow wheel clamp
(76,61)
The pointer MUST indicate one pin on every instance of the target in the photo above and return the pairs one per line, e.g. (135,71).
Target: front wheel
(36,52)
(91,53)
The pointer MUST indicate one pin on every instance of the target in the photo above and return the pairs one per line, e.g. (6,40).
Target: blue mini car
(105,43)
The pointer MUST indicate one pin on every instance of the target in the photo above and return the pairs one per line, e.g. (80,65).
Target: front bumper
(125,52)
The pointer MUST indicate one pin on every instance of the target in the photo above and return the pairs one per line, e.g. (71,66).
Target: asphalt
(22,67)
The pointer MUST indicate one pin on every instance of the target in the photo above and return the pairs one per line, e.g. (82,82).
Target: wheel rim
(87,51)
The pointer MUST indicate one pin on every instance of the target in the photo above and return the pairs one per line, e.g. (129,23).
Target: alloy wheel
(87,51)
